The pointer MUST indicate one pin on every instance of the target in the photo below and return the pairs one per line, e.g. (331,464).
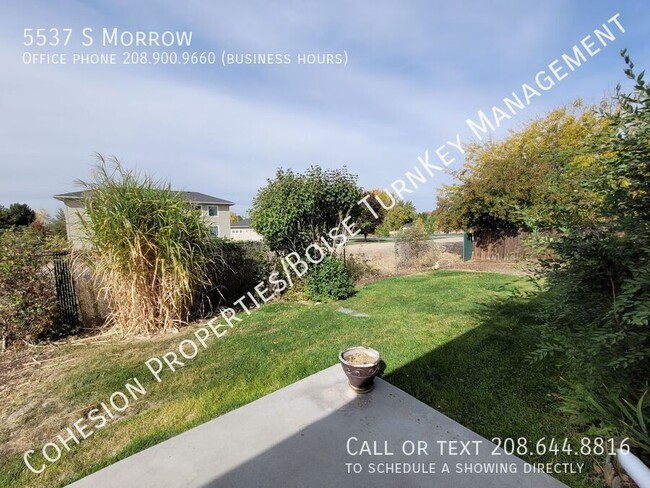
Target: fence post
(396,254)
(467,246)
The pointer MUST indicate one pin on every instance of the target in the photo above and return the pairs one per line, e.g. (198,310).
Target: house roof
(242,224)
(188,196)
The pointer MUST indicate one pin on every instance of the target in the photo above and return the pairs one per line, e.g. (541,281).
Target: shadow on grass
(484,381)
(482,378)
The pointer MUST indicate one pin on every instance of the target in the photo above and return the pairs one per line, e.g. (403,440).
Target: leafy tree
(17,215)
(367,221)
(296,209)
(608,265)
(429,221)
(403,212)
(531,179)
(234,218)
(414,249)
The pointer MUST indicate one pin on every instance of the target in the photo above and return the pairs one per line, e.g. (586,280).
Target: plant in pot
(361,365)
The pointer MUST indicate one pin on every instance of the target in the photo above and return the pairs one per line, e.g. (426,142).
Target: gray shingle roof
(241,224)
(188,196)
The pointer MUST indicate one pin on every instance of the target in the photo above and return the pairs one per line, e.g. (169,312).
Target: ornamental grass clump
(147,247)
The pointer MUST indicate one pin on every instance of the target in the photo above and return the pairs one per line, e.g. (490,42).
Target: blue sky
(416,71)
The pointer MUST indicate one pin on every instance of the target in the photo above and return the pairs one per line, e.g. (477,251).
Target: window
(215,230)
(213,211)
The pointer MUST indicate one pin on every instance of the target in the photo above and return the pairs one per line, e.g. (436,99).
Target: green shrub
(414,251)
(599,317)
(360,269)
(295,209)
(620,415)
(28,304)
(329,279)
(382,230)
(234,270)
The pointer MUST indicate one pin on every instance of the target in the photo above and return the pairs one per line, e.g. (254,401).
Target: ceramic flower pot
(361,365)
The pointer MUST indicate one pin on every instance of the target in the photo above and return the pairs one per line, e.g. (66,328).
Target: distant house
(216,212)
(242,231)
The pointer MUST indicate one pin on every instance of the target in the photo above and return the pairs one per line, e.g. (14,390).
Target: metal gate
(65,292)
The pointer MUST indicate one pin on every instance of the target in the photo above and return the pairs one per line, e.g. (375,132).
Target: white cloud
(416,72)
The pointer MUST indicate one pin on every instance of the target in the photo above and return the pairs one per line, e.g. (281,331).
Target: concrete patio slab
(315,433)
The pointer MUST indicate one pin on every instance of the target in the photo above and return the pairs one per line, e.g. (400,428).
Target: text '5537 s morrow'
(105,36)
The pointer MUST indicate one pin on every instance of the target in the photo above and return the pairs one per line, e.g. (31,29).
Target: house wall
(75,210)
(244,234)
(222,220)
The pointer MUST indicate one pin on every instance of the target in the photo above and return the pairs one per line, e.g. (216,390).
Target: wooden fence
(497,246)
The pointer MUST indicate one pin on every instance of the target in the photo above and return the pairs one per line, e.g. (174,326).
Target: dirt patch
(378,255)
(453,262)
(381,257)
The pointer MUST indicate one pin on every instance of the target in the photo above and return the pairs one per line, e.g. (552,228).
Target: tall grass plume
(147,247)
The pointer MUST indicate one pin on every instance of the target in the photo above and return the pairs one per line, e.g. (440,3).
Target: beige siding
(244,234)
(74,210)
(221,220)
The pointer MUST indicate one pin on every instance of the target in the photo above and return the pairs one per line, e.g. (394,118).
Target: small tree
(368,220)
(293,209)
(413,249)
(429,220)
(402,213)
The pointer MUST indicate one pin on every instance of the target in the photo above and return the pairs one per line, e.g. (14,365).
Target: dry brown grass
(148,249)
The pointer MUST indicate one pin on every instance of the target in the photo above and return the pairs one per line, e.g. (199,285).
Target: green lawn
(447,338)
